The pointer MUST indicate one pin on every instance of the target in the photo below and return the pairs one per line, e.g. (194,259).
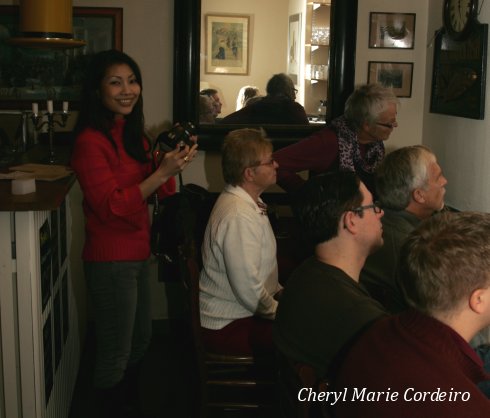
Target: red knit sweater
(117,223)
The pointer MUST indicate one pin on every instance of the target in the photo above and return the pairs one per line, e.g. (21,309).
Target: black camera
(179,134)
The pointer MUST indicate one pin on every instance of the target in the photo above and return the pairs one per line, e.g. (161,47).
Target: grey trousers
(120,294)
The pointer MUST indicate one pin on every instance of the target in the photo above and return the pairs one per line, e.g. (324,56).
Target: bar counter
(48,195)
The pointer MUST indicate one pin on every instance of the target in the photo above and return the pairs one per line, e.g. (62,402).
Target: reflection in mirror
(312,42)
(241,46)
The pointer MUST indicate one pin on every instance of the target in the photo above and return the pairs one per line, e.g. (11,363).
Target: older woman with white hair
(352,142)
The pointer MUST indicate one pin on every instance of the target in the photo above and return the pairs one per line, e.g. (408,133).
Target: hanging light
(46,24)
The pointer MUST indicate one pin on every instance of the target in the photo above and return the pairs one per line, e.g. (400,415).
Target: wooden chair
(224,382)
(294,376)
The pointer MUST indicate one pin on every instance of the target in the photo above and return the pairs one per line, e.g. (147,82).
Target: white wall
(461,144)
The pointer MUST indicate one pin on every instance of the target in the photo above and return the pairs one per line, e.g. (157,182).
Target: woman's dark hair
(95,115)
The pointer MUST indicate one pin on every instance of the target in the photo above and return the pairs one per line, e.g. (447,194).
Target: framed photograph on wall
(294,43)
(391,30)
(28,74)
(396,75)
(459,74)
(227,47)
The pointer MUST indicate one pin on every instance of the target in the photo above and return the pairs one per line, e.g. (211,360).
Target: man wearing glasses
(323,308)
(411,188)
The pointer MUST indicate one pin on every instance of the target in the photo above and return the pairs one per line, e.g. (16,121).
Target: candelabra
(50,122)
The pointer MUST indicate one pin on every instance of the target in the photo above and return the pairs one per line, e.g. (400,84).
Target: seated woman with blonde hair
(239,280)
(246,93)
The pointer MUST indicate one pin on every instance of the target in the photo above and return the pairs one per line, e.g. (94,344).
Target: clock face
(459,17)
(459,14)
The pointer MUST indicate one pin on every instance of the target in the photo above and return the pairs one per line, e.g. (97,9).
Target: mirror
(188,22)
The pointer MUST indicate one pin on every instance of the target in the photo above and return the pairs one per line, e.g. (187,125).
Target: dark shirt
(379,274)
(269,110)
(321,311)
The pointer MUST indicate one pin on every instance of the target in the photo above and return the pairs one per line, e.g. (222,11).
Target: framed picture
(391,30)
(459,74)
(294,43)
(227,44)
(396,75)
(28,74)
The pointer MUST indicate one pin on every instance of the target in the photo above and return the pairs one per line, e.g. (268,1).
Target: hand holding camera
(181,135)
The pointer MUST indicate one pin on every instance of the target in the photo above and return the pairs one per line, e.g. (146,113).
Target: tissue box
(23,186)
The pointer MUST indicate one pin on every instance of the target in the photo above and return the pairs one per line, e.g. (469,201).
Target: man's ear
(349,221)
(418,196)
(479,300)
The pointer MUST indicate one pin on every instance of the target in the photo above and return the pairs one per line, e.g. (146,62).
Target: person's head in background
(113,90)
(410,179)
(371,111)
(245,93)
(247,160)
(445,270)
(213,93)
(206,109)
(280,85)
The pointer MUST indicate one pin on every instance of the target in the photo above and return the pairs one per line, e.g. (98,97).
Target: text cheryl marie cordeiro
(363,395)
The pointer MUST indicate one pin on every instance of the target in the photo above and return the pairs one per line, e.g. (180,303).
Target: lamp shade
(46,24)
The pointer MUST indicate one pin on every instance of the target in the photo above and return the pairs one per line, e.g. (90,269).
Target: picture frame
(29,75)
(459,74)
(294,43)
(395,75)
(391,30)
(227,46)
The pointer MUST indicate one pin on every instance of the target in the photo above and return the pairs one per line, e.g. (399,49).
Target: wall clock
(458,79)
(460,17)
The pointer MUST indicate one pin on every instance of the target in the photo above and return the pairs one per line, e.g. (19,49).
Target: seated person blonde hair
(245,93)
(239,278)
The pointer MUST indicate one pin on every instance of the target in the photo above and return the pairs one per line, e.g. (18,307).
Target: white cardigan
(239,276)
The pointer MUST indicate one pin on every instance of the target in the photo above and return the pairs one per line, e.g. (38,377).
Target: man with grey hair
(411,187)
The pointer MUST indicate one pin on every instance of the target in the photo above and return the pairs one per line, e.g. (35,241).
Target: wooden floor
(164,387)
(166,379)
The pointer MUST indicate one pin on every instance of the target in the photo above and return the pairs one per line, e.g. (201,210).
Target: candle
(50,106)
(35,108)
(65,107)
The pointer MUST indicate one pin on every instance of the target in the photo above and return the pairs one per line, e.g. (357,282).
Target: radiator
(40,346)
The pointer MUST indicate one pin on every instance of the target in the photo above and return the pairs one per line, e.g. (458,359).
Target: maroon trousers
(252,335)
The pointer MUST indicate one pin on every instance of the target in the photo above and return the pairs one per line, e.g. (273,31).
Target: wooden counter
(48,195)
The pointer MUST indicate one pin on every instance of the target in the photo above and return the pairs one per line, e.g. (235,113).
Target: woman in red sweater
(112,161)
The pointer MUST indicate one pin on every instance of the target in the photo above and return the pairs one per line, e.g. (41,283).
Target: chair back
(293,377)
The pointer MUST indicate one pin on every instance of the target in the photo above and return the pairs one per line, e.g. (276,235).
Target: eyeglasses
(388,125)
(374,206)
(270,163)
